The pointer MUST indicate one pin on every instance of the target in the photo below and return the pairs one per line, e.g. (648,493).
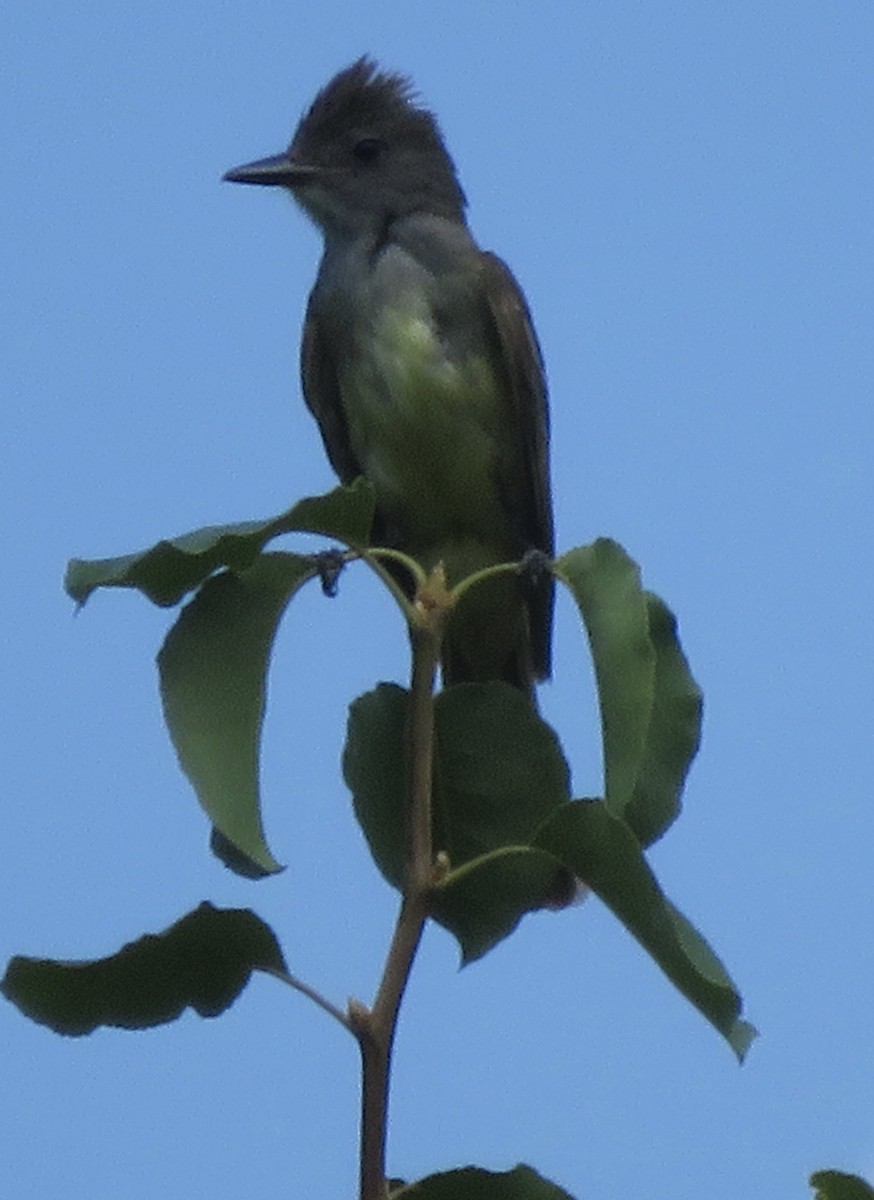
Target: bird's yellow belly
(427,431)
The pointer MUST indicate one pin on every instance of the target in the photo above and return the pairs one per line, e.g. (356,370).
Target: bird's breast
(427,423)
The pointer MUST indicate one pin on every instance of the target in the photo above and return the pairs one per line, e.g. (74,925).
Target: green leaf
(674,732)
(170,569)
(650,704)
(473,1183)
(482,901)
(498,773)
(233,858)
(344,514)
(499,770)
(203,961)
(375,771)
(605,583)
(213,668)
(835,1185)
(602,851)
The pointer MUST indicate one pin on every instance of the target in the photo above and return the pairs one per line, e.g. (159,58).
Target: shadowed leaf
(203,961)
(499,770)
(483,901)
(498,774)
(169,569)
(234,859)
(375,771)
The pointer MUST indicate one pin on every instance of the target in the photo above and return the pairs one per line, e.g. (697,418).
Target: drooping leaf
(602,851)
(171,568)
(674,731)
(213,670)
(203,961)
(233,857)
(836,1185)
(650,704)
(605,583)
(473,1183)
(498,773)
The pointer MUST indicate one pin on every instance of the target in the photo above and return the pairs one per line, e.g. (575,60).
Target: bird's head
(364,154)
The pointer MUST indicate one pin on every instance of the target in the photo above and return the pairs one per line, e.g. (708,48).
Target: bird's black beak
(276,171)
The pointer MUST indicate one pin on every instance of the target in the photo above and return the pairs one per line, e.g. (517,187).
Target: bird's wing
(531,498)
(321,391)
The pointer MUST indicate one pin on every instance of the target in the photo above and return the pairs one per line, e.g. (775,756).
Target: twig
(310,993)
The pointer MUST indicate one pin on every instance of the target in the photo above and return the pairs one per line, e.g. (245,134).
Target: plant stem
(375,1028)
(420,854)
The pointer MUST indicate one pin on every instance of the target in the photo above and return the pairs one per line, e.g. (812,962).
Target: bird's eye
(369,149)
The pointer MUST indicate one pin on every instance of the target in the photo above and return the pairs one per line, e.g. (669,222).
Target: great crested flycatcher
(421,365)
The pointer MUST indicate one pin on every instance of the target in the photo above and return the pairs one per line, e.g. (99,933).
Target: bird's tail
(488,638)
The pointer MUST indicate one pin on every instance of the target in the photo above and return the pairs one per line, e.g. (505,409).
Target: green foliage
(472,1183)
(203,961)
(835,1185)
(602,850)
(213,669)
(650,704)
(170,569)
(605,583)
(510,835)
(507,837)
(673,734)
(498,773)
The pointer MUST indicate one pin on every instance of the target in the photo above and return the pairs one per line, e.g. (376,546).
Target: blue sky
(685,193)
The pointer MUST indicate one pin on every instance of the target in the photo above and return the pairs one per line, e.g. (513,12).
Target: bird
(421,365)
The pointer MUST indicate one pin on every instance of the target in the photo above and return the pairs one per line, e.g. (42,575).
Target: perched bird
(421,365)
